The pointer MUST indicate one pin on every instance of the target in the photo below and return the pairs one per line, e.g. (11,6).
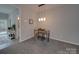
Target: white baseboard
(25,39)
(52,38)
(64,41)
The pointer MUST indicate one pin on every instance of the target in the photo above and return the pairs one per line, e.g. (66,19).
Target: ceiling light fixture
(40,19)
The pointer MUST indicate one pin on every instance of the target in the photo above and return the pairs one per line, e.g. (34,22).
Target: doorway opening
(8,25)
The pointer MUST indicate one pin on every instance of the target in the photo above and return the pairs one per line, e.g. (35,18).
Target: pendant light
(41,19)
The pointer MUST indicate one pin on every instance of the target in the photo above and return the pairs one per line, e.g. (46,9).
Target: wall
(26,29)
(63,23)
(3,25)
(3,15)
(13,17)
(3,21)
(8,12)
(13,20)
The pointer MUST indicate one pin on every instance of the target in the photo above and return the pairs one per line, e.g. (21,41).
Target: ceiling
(42,8)
(6,8)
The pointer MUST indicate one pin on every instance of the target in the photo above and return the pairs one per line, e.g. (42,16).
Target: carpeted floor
(33,46)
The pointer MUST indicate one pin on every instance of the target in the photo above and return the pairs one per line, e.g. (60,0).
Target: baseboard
(64,41)
(53,39)
(26,38)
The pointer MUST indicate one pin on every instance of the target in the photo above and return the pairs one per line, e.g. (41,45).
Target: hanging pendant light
(41,19)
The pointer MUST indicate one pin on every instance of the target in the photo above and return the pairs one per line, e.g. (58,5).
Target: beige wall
(26,29)
(63,23)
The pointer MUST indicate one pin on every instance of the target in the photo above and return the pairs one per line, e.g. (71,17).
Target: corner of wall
(25,38)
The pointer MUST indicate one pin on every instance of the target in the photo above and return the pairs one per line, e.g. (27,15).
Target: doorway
(8,25)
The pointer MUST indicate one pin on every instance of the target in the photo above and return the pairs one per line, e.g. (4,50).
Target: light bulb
(39,19)
(44,19)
